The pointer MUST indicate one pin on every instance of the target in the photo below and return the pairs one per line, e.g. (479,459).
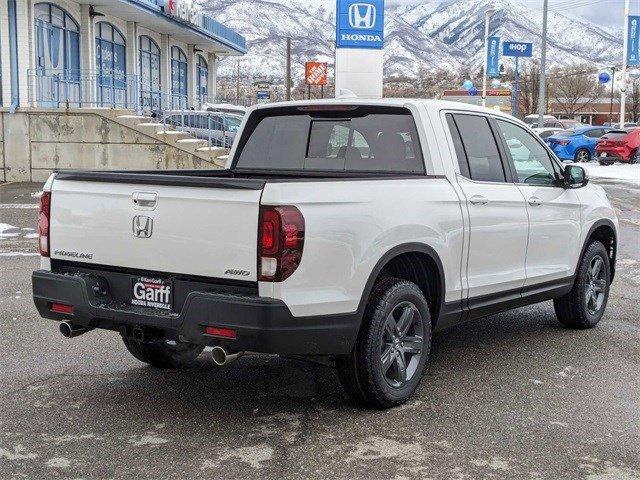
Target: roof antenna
(346,93)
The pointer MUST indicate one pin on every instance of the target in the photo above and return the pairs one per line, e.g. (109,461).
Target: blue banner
(517,49)
(493,57)
(633,48)
(360,24)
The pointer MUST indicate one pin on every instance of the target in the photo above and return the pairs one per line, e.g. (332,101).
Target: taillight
(43,223)
(564,142)
(280,242)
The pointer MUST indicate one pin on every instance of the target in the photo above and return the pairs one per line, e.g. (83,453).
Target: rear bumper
(261,324)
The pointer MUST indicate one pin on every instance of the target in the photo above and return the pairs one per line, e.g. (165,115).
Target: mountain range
(431,35)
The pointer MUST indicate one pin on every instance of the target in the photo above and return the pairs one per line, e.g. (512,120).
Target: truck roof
(388,102)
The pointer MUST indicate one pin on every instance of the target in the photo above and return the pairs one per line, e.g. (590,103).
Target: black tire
(162,354)
(582,155)
(396,330)
(585,304)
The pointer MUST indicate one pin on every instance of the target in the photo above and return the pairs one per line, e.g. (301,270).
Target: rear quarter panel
(350,224)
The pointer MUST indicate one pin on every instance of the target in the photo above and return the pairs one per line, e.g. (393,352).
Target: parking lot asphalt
(510,396)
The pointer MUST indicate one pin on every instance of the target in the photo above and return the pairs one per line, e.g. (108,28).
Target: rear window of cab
(331,139)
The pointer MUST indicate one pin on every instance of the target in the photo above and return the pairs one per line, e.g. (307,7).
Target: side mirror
(575,176)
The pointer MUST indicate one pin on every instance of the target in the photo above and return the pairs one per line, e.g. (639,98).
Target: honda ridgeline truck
(341,231)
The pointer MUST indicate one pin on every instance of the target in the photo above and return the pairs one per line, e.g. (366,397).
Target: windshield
(371,139)
(233,123)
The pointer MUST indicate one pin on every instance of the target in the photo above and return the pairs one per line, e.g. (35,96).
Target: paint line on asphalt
(20,206)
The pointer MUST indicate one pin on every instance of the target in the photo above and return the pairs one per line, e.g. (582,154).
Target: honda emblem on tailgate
(142,226)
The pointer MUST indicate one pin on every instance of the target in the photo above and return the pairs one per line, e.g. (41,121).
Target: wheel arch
(427,273)
(604,230)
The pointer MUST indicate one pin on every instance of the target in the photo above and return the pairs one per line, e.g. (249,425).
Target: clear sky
(608,12)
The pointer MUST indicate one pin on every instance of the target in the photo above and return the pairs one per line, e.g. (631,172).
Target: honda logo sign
(360,24)
(362,15)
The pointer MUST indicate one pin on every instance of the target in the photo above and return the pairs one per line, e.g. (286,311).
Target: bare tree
(529,86)
(633,99)
(575,88)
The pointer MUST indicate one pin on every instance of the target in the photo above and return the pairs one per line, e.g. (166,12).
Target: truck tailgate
(195,230)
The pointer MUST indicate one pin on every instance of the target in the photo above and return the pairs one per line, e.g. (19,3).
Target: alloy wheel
(596,285)
(583,156)
(401,344)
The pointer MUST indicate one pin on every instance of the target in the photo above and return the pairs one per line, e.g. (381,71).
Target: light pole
(623,100)
(487,18)
(613,84)
(543,66)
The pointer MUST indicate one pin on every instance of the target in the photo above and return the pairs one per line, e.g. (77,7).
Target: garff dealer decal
(151,292)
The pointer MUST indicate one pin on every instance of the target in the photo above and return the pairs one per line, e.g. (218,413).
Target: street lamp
(613,83)
(487,17)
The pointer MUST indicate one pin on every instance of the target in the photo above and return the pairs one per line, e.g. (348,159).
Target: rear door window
(361,139)
(481,160)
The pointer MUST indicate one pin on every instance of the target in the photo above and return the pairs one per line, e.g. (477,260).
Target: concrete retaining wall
(34,143)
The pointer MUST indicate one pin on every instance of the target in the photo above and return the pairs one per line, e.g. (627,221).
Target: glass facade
(202,72)
(111,66)
(150,77)
(57,40)
(178,78)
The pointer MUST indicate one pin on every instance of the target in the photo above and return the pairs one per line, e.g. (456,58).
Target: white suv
(341,231)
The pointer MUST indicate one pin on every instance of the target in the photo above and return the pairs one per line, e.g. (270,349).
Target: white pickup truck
(342,231)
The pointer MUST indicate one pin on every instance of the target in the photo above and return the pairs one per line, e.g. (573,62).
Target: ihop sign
(360,24)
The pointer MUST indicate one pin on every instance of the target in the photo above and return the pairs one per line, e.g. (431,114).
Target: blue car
(578,145)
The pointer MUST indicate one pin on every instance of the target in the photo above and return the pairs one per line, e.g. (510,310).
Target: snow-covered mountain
(430,35)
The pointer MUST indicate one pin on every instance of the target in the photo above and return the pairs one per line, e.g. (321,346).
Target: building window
(111,66)
(202,70)
(178,78)
(57,73)
(150,79)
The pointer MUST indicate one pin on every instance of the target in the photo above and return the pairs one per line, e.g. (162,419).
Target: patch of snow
(58,462)
(619,171)
(6,231)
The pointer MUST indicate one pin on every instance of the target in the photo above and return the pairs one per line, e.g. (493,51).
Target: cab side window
(476,148)
(531,160)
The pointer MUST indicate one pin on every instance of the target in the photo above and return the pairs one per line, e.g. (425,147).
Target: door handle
(478,200)
(535,201)
(145,200)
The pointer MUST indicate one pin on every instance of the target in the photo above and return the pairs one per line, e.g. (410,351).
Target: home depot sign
(316,73)
(186,10)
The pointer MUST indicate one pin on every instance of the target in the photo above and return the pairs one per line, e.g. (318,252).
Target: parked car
(617,124)
(225,108)
(218,127)
(342,231)
(571,124)
(545,133)
(532,120)
(577,145)
(619,146)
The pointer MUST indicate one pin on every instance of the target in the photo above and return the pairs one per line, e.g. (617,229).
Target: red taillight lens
(43,223)
(62,308)
(564,142)
(220,332)
(280,242)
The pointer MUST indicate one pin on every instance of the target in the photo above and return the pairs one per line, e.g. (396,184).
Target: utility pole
(543,66)
(287,82)
(238,83)
(487,18)
(623,100)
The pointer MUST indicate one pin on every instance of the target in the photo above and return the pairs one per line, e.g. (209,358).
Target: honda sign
(360,24)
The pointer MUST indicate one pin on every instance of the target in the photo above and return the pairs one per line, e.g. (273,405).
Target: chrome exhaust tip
(221,356)
(69,330)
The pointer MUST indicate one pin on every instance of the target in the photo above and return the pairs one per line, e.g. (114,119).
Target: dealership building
(127,54)
(87,84)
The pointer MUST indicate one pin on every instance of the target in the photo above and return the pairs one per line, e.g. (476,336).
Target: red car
(618,146)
